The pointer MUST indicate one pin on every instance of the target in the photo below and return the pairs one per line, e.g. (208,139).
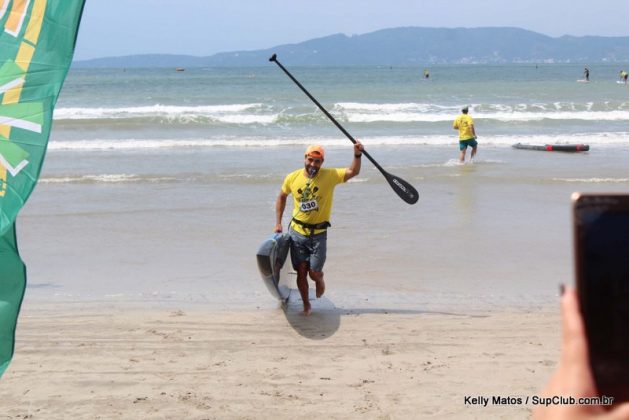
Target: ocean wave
(594,180)
(103,178)
(166,110)
(409,117)
(251,113)
(125,178)
(96,145)
(353,112)
(422,112)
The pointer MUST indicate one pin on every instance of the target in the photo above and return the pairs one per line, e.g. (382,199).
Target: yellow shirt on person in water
(464,124)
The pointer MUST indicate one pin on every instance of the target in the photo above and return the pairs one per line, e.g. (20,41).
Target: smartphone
(601,239)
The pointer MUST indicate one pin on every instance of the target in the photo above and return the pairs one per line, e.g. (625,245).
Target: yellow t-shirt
(464,123)
(312,198)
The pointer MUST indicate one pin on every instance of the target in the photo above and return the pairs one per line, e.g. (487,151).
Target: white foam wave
(395,107)
(83,112)
(229,112)
(355,112)
(598,139)
(133,178)
(422,112)
(593,180)
(109,178)
(247,119)
(402,117)
(104,178)
(582,115)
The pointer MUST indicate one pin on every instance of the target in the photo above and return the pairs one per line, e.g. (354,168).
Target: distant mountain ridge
(404,46)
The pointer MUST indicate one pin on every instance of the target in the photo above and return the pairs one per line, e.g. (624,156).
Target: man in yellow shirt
(313,190)
(467,134)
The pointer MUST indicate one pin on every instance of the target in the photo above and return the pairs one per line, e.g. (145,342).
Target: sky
(111,28)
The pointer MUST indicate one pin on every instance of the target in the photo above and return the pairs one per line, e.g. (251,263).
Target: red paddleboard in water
(554,147)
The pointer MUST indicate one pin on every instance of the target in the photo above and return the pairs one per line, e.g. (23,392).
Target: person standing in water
(312,188)
(586,74)
(467,134)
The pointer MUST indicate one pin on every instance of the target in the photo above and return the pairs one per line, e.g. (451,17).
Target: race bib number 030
(307,206)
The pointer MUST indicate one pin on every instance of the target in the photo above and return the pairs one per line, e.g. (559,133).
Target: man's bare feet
(307,309)
(320,287)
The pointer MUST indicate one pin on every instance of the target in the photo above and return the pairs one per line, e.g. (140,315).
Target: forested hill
(405,46)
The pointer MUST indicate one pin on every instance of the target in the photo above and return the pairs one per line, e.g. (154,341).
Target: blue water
(159,185)
(384,105)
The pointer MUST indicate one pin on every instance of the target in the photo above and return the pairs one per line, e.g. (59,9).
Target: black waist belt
(322,225)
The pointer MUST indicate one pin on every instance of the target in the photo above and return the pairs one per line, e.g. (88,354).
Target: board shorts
(311,249)
(469,142)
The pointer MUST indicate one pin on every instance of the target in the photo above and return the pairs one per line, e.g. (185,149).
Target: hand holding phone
(573,378)
(601,239)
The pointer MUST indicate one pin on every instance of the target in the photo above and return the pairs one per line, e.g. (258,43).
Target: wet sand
(100,361)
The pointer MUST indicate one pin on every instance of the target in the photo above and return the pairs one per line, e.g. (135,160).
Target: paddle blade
(402,188)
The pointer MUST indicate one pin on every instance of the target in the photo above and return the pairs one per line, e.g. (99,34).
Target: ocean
(159,186)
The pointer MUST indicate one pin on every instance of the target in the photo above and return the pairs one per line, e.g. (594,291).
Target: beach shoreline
(91,360)
(143,296)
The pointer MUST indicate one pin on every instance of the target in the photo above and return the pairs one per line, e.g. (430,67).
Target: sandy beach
(95,361)
(144,300)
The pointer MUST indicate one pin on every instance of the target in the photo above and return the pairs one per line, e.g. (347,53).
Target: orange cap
(315,151)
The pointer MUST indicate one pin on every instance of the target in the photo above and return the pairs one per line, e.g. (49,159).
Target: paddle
(405,190)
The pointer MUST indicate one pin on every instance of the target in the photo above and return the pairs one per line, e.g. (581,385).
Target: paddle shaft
(336,123)
(402,188)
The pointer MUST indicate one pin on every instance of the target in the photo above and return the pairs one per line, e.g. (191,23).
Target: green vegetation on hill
(405,46)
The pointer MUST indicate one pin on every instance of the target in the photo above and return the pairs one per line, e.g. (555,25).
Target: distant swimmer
(586,74)
(426,74)
(467,134)
(623,76)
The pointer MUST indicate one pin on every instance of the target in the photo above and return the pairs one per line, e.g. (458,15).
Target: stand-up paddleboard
(271,258)
(583,81)
(554,147)
(621,82)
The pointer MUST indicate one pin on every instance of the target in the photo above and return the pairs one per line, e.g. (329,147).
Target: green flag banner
(37,39)
(12,285)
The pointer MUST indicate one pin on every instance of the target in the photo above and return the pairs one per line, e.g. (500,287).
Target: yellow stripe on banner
(34,25)
(23,60)
(12,96)
(3,181)
(5,130)
(24,56)
(16,17)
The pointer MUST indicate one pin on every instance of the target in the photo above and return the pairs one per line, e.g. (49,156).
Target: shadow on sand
(325,318)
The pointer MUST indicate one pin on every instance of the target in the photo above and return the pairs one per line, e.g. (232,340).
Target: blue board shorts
(469,142)
(311,249)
